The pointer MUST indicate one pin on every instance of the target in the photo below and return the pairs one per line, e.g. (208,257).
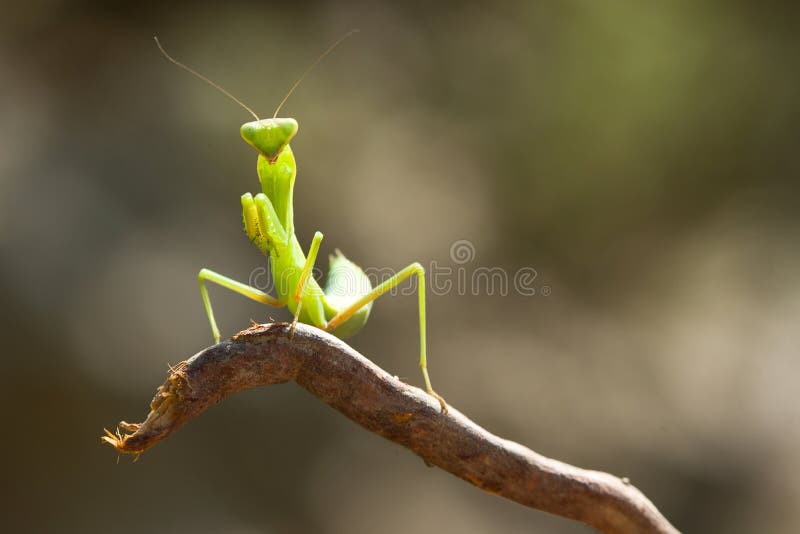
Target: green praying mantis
(343,306)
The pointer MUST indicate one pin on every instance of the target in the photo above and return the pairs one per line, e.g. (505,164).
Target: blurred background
(640,157)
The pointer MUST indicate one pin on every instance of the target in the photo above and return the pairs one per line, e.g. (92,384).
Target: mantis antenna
(310,68)
(208,81)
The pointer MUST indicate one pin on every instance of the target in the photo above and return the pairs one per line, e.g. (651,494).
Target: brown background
(640,156)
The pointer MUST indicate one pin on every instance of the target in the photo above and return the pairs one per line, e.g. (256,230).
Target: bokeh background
(640,156)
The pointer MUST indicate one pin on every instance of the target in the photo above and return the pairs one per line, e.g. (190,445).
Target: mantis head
(269,136)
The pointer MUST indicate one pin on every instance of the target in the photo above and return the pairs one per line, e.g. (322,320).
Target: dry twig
(362,391)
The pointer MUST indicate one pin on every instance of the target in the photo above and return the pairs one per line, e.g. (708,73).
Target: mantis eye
(269,136)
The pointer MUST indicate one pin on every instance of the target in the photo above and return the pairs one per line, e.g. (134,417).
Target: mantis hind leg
(238,287)
(394,281)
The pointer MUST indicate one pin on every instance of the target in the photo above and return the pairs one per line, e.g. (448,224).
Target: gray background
(640,156)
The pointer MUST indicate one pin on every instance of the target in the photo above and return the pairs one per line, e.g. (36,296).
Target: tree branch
(362,391)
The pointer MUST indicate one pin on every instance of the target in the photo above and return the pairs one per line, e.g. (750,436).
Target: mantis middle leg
(238,287)
(301,285)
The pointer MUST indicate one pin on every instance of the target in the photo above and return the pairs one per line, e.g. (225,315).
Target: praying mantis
(343,306)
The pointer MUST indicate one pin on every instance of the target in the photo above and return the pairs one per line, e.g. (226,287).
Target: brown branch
(362,391)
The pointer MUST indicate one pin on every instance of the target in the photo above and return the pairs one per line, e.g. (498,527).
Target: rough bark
(350,383)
